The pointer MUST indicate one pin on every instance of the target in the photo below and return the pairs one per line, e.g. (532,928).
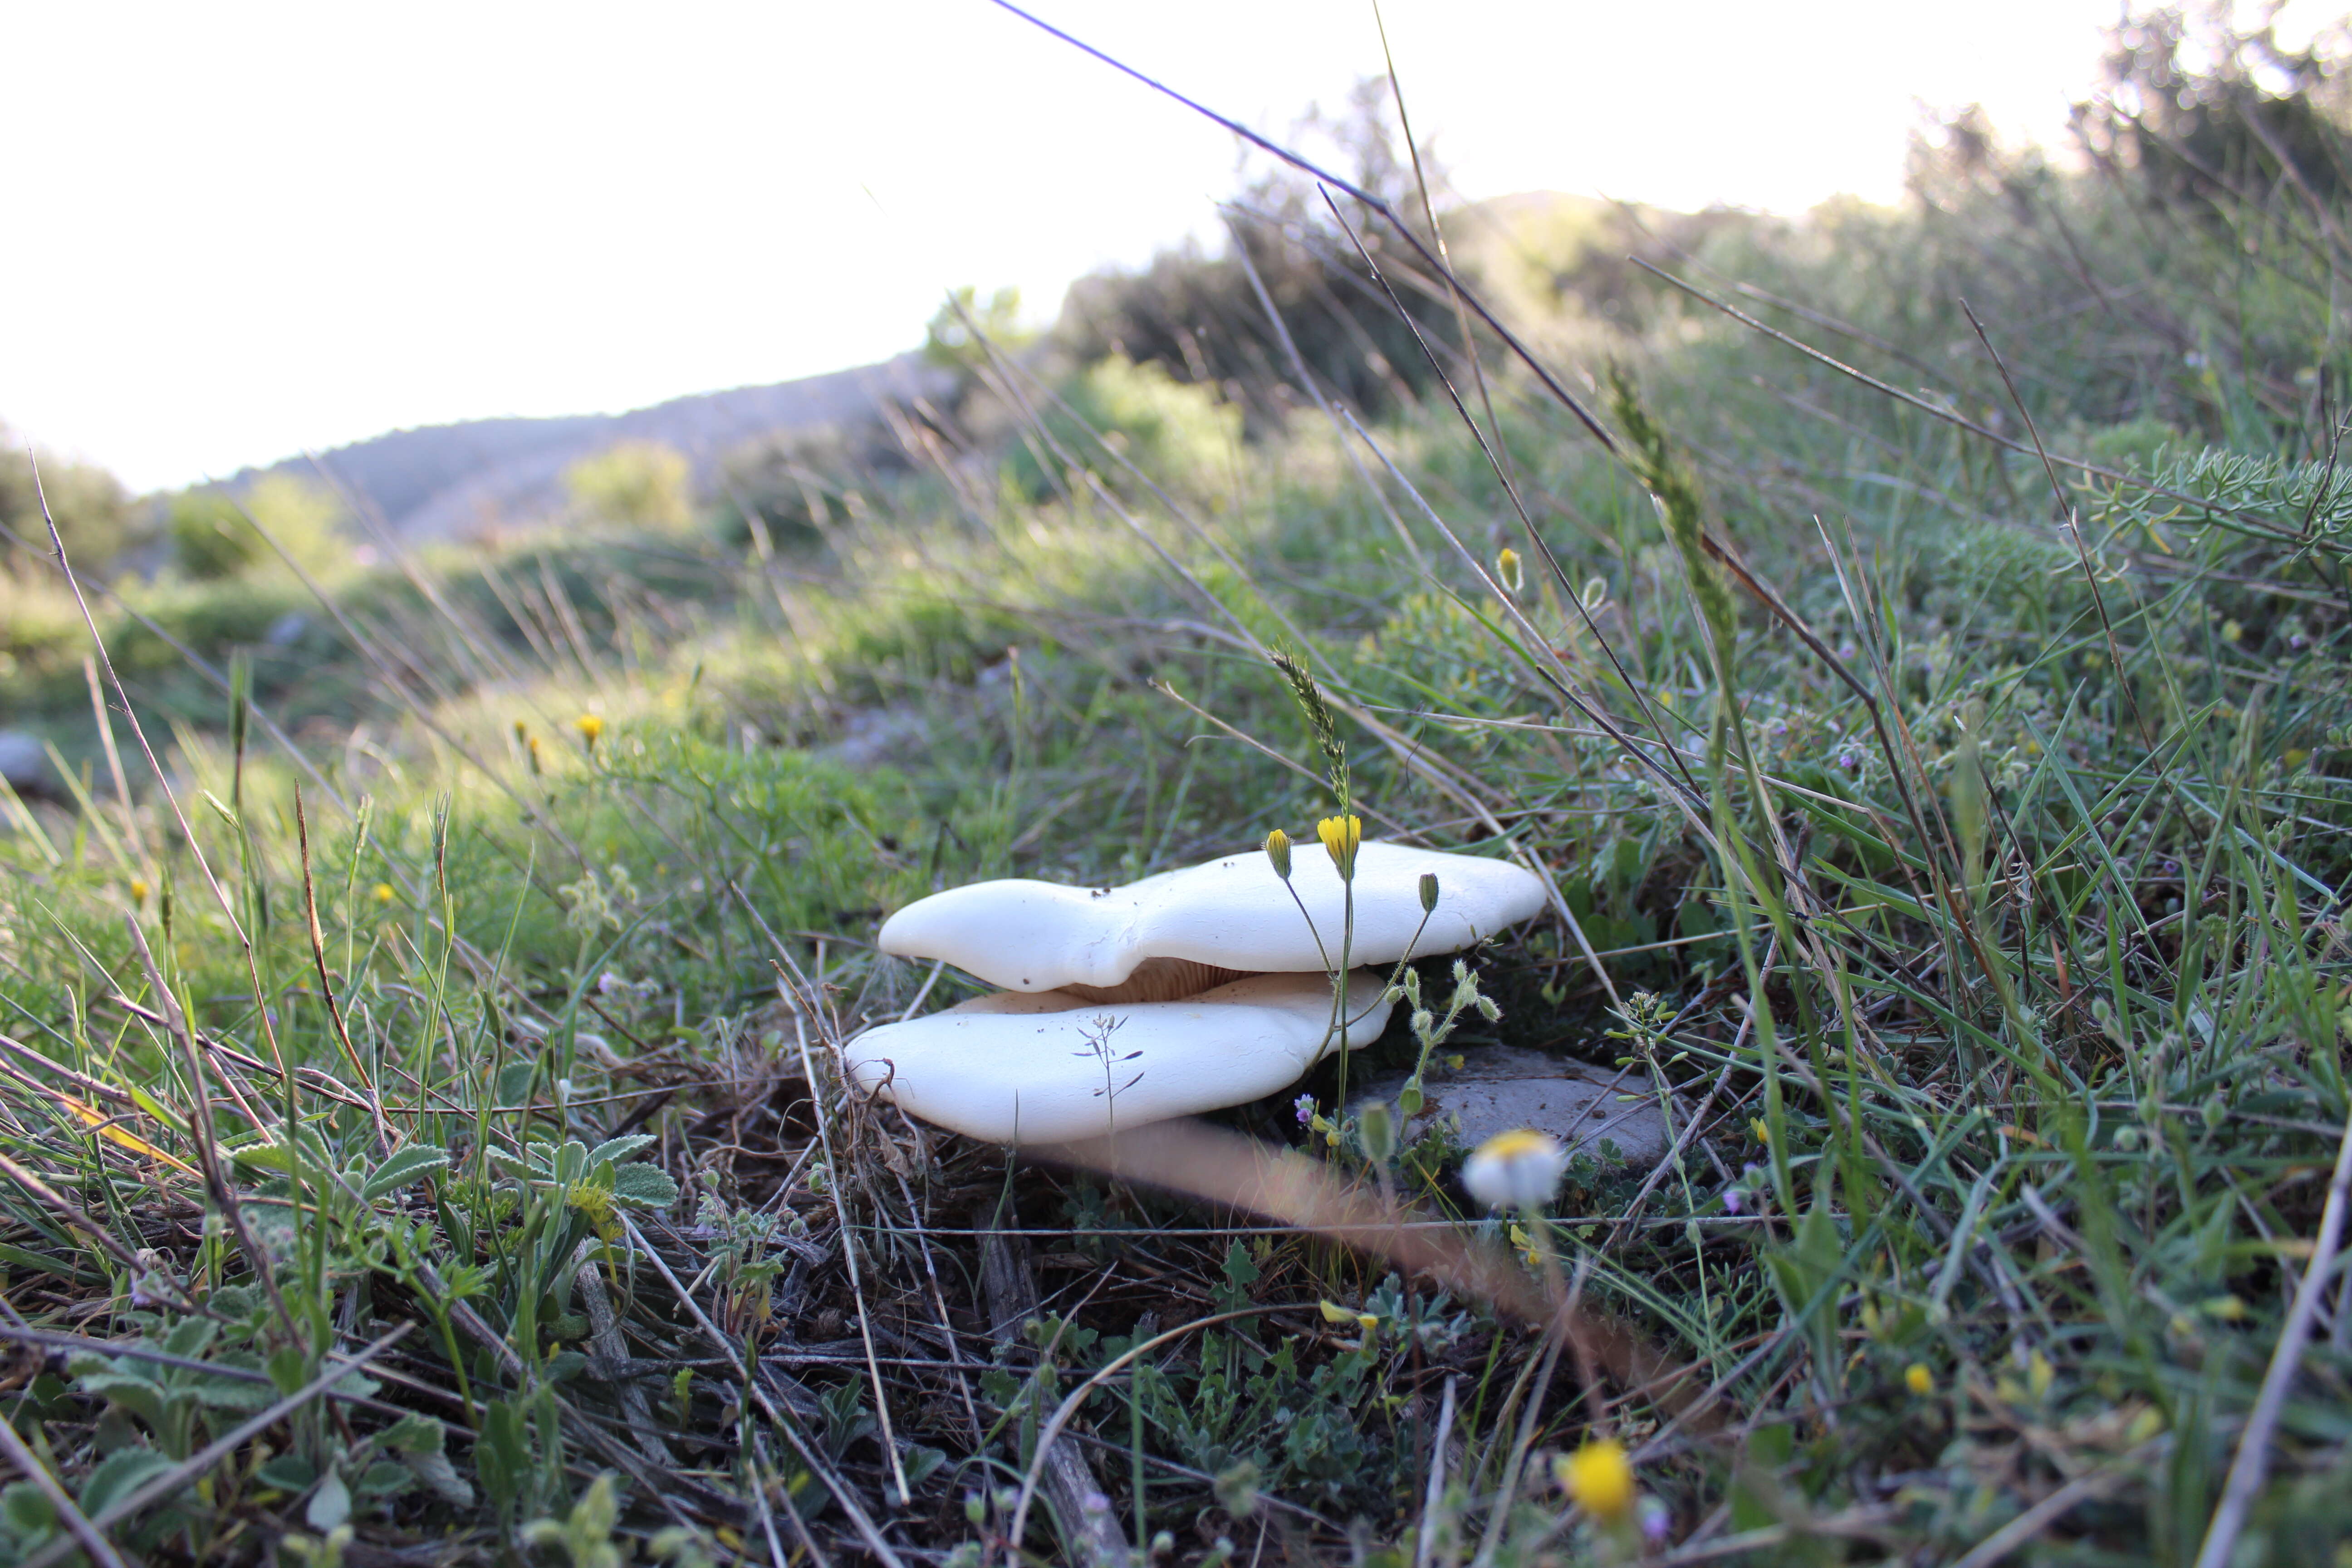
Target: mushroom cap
(1233,913)
(1016,1068)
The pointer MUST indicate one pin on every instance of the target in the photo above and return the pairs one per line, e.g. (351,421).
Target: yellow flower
(1763,1133)
(383,892)
(1515,1170)
(1341,836)
(589,727)
(1278,850)
(139,891)
(1918,1380)
(1598,1478)
(1507,567)
(521,730)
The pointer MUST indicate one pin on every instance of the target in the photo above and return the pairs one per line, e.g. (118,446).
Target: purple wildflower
(1305,1106)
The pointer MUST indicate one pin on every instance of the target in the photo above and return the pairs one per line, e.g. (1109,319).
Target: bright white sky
(237,230)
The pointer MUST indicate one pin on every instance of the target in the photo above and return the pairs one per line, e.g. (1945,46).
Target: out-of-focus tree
(92,509)
(210,538)
(633,484)
(213,537)
(1197,315)
(961,332)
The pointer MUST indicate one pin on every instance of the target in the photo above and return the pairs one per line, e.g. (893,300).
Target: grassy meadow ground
(421,1133)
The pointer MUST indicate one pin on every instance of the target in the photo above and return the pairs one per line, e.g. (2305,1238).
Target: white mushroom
(1046,1067)
(1185,991)
(1232,916)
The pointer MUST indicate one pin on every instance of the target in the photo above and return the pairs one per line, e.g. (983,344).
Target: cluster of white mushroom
(1187,992)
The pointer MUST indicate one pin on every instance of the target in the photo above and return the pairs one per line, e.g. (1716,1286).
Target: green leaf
(231,1392)
(571,1161)
(616,1149)
(502,1452)
(288,1472)
(641,1185)
(119,1475)
(190,1337)
(289,1368)
(386,1479)
(406,1166)
(127,1391)
(441,1478)
(414,1435)
(331,1505)
(27,1513)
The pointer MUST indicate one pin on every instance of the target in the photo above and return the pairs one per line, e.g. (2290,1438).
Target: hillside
(459,481)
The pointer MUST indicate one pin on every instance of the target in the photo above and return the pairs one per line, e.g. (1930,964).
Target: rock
(25,764)
(1502,1088)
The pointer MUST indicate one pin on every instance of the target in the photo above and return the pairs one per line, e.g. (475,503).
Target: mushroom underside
(1046,1067)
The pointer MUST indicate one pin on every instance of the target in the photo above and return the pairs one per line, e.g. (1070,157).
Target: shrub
(210,537)
(213,534)
(92,509)
(633,484)
(1182,435)
(1197,316)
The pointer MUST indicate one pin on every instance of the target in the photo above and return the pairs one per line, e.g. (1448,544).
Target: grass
(423,1140)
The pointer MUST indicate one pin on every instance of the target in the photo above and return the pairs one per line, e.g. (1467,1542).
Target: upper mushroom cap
(1233,913)
(1023,1068)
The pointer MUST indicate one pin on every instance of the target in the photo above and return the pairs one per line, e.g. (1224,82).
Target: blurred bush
(93,512)
(214,536)
(960,334)
(39,624)
(633,484)
(1196,316)
(1182,435)
(802,483)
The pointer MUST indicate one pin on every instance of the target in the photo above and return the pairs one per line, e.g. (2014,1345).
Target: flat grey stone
(1501,1088)
(23,762)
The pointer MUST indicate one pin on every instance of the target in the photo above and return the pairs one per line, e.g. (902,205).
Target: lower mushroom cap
(1047,1066)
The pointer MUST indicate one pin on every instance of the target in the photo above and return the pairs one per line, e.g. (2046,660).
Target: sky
(238,230)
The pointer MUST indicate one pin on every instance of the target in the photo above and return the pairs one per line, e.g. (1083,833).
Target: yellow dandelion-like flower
(1919,1380)
(1598,1478)
(591,726)
(1341,836)
(1515,1170)
(382,892)
(139,891)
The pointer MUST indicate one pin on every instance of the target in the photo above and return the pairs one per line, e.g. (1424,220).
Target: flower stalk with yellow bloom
(591,726)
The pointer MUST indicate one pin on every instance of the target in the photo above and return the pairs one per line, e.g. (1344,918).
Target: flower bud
(1429,892)
(1278,850)
(1506,568)
(1376,1124)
